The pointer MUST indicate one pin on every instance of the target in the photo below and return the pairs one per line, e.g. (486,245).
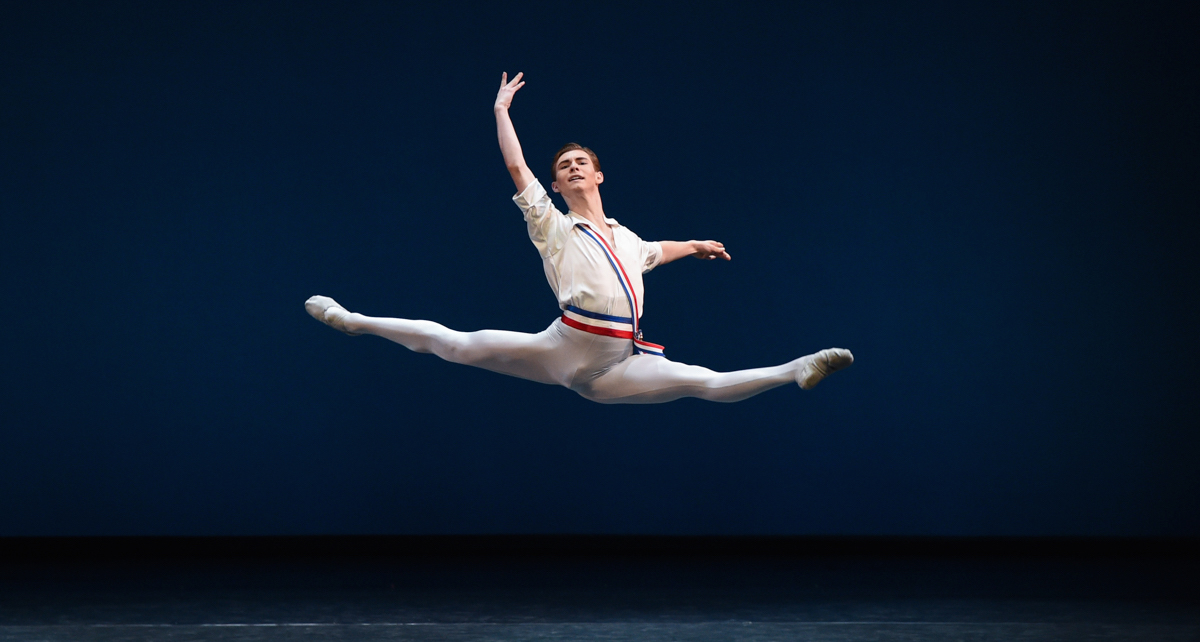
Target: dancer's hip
(608,325)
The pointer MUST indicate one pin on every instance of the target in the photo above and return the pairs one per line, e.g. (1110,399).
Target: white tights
(599,368)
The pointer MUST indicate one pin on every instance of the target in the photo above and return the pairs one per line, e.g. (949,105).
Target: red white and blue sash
(606,324)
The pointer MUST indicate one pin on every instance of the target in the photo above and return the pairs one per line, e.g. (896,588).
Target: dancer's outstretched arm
(514,159)
(672,250)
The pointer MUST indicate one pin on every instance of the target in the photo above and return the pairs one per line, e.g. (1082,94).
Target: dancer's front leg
(528,356)
(649,379)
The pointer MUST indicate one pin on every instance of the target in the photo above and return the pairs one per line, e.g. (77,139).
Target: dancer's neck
(590,207)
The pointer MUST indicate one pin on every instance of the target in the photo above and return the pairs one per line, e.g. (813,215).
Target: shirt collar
(611,221)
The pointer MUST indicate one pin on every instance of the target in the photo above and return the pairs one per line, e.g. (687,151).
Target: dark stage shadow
(598,588)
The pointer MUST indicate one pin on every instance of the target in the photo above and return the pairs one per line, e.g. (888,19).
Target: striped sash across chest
(606,324)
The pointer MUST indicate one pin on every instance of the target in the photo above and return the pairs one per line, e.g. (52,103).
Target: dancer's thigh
(647,379)
(540,357)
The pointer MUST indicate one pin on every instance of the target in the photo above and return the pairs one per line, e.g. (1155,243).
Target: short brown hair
(570,147)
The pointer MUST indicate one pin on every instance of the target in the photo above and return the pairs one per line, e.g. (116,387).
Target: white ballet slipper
(822,364)
(329,312)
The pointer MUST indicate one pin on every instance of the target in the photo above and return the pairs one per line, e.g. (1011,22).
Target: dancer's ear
(599,177)
(554,187)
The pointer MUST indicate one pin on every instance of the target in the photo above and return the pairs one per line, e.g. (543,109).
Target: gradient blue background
(994,207)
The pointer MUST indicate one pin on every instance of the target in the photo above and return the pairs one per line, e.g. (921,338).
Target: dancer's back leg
(528,356)
(536,357)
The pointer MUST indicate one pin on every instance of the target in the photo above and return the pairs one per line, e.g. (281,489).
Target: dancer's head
(576,170)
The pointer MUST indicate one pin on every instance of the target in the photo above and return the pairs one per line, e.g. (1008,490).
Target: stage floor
(606,597)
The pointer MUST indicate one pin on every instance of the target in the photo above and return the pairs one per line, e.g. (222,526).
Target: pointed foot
(329,312)
(822,364)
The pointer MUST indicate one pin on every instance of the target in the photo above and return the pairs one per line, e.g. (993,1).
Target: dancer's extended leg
(537,357)
(528,356)
(650,379)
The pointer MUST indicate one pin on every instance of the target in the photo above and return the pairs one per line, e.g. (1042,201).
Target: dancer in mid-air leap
(595,267)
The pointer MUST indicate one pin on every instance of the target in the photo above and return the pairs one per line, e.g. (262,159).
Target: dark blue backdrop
(994,207)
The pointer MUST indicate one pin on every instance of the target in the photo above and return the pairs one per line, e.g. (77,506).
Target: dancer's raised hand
(510,147)
(507,89)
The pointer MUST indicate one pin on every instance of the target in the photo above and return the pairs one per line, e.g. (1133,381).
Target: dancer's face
(575,173)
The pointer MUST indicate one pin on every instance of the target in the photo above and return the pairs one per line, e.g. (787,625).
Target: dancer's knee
(453,346)
(429,337)
(596,395)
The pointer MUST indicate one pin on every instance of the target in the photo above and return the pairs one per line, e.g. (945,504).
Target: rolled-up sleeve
(651,255)
(548,227)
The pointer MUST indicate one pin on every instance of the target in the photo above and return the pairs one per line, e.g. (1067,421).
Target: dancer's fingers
(712,249)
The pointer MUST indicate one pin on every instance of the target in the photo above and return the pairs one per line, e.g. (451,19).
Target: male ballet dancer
(595,266)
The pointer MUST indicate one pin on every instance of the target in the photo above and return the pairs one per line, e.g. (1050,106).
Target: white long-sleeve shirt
(577,268)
